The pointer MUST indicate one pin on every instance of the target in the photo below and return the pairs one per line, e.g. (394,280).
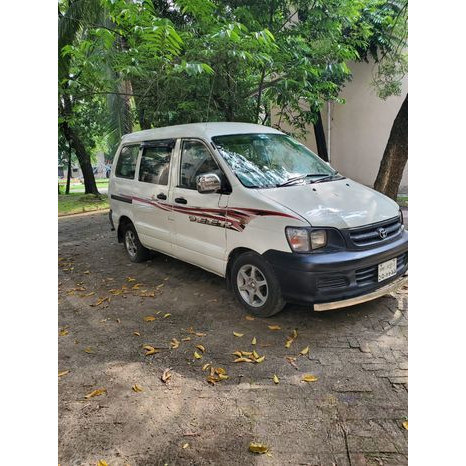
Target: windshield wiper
(301,177)
(327,177)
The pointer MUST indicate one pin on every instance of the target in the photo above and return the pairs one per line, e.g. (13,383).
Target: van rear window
(126,165)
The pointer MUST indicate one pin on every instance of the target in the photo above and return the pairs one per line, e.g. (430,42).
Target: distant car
(251,204)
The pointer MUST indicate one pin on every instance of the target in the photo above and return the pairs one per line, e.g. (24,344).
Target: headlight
(303,240)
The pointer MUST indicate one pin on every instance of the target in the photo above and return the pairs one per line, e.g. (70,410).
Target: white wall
(360,128)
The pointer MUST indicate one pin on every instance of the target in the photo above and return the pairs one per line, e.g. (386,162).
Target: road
(352,414)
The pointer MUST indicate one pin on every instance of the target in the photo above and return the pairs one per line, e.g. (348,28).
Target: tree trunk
(395,155)
(320,138)
(76,144)
(68,175)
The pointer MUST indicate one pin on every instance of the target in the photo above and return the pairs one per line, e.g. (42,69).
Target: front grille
(370,275)
(369,235)
(332,282)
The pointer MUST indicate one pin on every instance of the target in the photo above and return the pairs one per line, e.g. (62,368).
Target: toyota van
(251,204)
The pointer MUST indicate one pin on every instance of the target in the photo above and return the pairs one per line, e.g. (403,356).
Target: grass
(75,203)
(402,200)
(78,187)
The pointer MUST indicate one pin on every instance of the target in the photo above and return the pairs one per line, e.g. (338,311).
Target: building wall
(359,128)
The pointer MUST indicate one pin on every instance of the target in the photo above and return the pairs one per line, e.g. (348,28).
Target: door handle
(161,196)
(181,200)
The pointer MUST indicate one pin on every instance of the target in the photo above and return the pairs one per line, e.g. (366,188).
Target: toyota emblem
(382,233)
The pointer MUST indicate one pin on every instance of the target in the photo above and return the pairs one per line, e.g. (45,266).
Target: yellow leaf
(239,335)
(136,388)
(186,339)
(205,366)
(166,375)
(309,378)
(294,334)
(137,334)
(174,343)
(261,359)
(258,448)
(288,342)
(86,271)
(242,360)
(246,353)
(186,445)
(102,463)
(237,353)
(254,341)
(99,391)
(63,332)
(274,327)
(249,318)
(100,301)
(89,350)
(197,355)
(405,424)
(62,373)
(137,286)
(304,351)
(199,334)
(130,279)
(223,376)
(149,318)
(220,371)
(150,350)
(166,315)
(201,348)
(255,354)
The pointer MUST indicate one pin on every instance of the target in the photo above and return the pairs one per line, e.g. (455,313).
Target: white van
(249,203)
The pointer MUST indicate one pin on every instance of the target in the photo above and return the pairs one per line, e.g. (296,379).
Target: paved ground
(351,415)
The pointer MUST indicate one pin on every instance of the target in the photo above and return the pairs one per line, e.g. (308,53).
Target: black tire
(136,251)
(259,269)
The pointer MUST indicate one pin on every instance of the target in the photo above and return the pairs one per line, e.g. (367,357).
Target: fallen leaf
(237,353)
(150,350)
(118,321)
(249,318)
(206,366)
(255,354)
(405,425)
(274,327)
(186,339)
(100,301)
(197,355)
(130,279)
(258,448)
(86,271)
(223,376)
(136,388)
(149,318)
(304,351)
(63,332)
(239,335)
(294,334)
(166,375)
(201,348)
(261,359)
(242,360)
(199,334)
(276,379)
(288,343)
(246,353)
(166,315)
(292,360)
(137,334)
(89,350)
(62,373)
(92,293)
(186,445)
(102,463)
(99,391)
(174,343)
(137,286)
(309,378)
(254,341)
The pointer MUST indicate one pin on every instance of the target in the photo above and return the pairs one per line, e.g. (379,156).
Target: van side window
(126,165)
(155,165)
(195,160)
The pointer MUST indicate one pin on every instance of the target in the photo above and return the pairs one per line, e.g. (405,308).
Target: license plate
(387,269)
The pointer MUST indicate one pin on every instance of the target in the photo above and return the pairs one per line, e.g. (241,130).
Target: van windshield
(267,160)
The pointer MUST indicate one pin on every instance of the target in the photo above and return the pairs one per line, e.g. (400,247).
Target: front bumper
(333,277)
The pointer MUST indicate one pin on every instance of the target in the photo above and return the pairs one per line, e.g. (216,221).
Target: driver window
(195,160)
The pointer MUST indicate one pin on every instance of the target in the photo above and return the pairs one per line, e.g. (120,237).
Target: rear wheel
(255,285)
(136,251)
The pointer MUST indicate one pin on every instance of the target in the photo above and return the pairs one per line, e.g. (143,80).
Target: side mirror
(208,183)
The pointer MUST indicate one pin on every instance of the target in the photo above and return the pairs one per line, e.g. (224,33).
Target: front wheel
(255,285)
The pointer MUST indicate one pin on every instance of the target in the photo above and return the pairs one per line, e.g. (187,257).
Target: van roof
(202,130)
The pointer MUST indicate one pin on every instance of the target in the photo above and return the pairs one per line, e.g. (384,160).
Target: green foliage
(149,63)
